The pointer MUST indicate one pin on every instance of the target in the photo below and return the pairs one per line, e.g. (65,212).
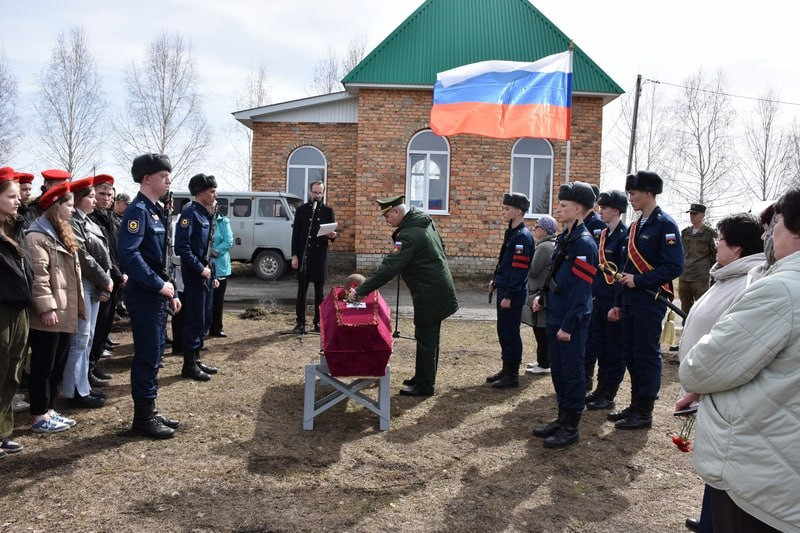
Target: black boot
(190,369)
(509,379)
(549,429)
(640,416)
(145,423)
(616,416)
(496,377)
(169,422)
(566,434)
(604,399)
(208,369)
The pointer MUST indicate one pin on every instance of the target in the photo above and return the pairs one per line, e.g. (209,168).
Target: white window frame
(306,168)
(427,154)
(529,193)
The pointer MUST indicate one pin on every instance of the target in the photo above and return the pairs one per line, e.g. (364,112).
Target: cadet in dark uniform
(605,333)
(310,253)
(595,226)
(654,258)
(567,297)
(193,237)
(418,256)
(511,283)
(141,247)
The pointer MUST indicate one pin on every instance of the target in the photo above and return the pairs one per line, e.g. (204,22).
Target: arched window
(532,173)
(306,164)
(428,172)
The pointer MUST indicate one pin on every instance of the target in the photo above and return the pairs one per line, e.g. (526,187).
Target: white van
(262,227)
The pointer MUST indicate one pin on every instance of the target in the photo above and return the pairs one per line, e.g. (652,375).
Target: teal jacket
(223,241)
(418,256)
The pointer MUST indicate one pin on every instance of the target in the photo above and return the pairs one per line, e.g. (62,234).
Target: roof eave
(247,116)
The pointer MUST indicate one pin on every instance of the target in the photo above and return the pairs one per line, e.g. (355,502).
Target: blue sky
(753,43)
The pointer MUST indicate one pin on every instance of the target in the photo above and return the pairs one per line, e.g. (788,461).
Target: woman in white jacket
(747,369)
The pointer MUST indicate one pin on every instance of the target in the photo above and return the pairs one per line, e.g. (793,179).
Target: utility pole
(633,122)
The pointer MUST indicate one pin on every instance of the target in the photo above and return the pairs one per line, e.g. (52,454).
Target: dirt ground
(462,460)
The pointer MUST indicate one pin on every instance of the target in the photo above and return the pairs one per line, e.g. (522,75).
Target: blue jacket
(572,300)
(659,243)
(191,239)
(223,241)
(604,294)
(595,226)
(141,244)
(511,275)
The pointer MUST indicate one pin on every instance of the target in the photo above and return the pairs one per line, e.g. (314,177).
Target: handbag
(527,312)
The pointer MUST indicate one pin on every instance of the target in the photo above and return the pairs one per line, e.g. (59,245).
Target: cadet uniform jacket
(511,276)
(419,257)
(191,239)
(317,248)
(658,243)
(699,253)
(570,298)
(141,244)
(613,248)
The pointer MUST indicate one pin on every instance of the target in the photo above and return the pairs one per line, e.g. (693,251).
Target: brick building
(373,139)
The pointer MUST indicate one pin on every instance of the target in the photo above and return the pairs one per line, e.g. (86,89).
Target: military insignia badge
(398,245)
(597,233)
(670,238)
(184,222)
(133,226)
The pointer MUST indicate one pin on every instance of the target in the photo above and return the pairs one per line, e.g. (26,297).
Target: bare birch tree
(331,68)
(254,93)
(163,112)
(9,132)
(703,163)
(356,50)
(71,105)
(793,156)
(767,149)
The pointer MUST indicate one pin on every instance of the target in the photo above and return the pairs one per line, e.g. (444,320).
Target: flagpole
(569,141)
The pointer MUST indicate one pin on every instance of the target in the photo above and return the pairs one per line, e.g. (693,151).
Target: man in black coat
(309,252)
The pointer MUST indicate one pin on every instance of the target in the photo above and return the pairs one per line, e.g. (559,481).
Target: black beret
(577,192)
(147,164)
(616,199)
(518,200)
(201,182)
(644,181)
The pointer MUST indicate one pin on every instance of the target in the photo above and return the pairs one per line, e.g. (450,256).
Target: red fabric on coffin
(356,339)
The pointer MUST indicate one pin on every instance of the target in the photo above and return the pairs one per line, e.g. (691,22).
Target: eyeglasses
(537,226)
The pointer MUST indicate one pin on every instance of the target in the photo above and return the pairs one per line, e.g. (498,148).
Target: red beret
(7,174)
(56,175)
(53,194)
(85,183)
(24,177)
(103,178)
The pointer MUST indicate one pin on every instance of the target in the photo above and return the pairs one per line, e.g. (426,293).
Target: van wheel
(269,265)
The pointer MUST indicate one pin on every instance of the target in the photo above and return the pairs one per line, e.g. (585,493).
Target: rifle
(556,264)
(613,269)
(209,246)
(168,246)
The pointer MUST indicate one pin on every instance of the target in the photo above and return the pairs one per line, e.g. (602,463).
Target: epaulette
(140,205)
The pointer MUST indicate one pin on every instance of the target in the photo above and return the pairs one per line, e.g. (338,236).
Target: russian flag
(505,99)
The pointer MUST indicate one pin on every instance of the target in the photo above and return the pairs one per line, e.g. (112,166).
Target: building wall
(368,161)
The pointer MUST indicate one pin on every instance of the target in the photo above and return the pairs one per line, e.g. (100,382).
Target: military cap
(7,174)
(56,175)
(147,164)
(615,199)
(518,200)
(103,178)
(388,203)
(81,184)
(54,194)
(122,197)
(577,192)
(24,177)
(201,182)
(644,181)
(697,208)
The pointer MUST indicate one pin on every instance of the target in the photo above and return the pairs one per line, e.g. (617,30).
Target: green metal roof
(444,34)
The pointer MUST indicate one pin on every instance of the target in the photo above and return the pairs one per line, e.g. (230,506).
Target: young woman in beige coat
(57,295)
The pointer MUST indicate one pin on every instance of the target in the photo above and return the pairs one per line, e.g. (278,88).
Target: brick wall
(368,161)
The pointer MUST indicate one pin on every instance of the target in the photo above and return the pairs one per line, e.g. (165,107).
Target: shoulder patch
(184,222)
(398,245)
(133,226)
(670,238)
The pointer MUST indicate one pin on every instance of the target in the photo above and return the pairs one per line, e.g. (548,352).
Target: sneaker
(48,425)
(10,446)
(18,404)
(58,417)
(536,369)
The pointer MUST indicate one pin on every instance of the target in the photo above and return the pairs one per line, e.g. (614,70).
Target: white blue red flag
(505,99)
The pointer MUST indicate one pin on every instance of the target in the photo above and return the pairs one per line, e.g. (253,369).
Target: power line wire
(709,91)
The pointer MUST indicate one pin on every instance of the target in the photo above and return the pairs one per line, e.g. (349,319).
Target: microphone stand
(396,334)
